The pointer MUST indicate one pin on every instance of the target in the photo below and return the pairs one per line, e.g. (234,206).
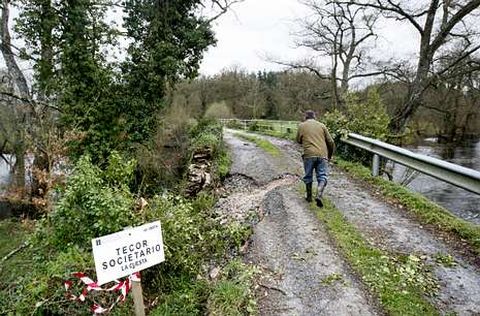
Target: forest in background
(446,113)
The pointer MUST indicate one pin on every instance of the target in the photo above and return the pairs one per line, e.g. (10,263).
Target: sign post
(124,253)
(138,298)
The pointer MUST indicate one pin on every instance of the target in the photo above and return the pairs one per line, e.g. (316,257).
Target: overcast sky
(259,28)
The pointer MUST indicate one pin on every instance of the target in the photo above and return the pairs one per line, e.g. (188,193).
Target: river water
(462,203)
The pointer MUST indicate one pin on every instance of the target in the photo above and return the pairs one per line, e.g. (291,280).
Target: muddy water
(460,202)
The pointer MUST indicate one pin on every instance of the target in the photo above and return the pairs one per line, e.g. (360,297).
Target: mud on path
(383,225)
(304,273)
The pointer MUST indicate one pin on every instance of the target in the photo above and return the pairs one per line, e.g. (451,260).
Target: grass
(224,162)
(12,235)
(232,293)
(426,211)
(282,129)
(262,143)
(401,282)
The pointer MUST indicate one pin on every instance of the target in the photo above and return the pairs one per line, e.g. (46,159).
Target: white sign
(123,253)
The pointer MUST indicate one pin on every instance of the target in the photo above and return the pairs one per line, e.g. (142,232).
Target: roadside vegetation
(354,160)
(402,282)
(99,201)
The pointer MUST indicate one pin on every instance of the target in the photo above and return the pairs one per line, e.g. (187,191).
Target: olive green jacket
(315,139)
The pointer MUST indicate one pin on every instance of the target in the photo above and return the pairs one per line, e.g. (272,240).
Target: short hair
(309,114)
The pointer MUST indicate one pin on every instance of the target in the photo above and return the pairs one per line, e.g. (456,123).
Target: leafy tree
(38,25)
(168,42)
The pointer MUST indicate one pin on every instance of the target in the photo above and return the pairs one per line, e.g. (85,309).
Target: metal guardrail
(459,176)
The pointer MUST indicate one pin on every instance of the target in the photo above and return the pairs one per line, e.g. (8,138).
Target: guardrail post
(376,165)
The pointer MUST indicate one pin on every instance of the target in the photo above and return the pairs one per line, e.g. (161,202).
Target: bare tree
(19,83)
(341,32)
(219,8)
(33,126)
(453,95)
(440,25)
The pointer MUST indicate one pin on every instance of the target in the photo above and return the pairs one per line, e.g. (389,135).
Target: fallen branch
(273,288)
(12,253)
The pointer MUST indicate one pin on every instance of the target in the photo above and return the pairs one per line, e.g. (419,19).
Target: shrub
(97,202)
(368,118)
(207,136)
(94,203)
(161,161)
(219,110)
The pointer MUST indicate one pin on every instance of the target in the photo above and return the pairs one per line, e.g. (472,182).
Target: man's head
(309,115)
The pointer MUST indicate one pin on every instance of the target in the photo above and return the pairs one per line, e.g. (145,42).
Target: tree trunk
(22,86)
(415,95)
(40,169)
(19,167)
(333,80)
(8,55)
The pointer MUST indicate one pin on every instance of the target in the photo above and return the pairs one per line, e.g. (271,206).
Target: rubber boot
(309,192)
(321,187)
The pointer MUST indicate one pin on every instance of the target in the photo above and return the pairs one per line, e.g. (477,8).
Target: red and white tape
(122,286)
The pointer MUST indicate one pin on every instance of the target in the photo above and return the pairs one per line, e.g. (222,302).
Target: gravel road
(305,274)
(292,243)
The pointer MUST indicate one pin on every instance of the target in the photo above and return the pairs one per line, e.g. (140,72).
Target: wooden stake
(138,298)
(137,294)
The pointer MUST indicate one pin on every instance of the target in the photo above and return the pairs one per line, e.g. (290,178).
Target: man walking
(318,148)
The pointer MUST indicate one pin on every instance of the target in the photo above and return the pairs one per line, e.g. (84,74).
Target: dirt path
(292,244)
(306,274)
(389,228)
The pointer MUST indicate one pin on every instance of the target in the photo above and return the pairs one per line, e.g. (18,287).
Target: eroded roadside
(389,228)
(305,275)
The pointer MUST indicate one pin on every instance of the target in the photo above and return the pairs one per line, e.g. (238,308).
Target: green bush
(219,110)
(368,118)
(235,124)
(95,203)
(162,160)
(207,135)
